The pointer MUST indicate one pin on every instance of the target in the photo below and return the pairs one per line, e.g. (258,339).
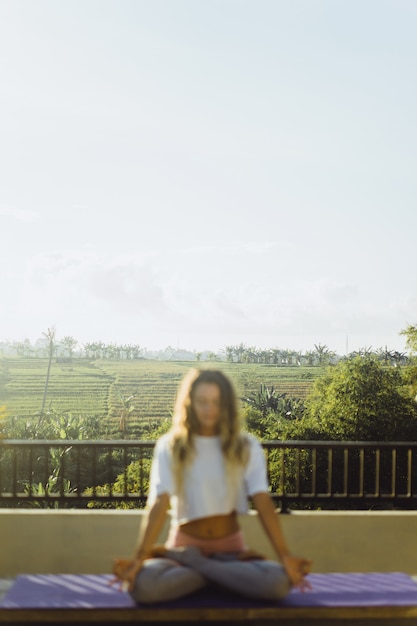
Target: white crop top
(206,488)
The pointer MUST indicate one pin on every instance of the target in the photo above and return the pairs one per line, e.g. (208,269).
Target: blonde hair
(234,443)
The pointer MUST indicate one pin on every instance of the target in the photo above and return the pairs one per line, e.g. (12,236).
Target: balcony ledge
(82,541)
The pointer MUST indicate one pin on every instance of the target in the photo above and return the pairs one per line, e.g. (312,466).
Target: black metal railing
(302,474)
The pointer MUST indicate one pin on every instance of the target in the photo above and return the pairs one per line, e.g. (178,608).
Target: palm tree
(309,356)
(97,349)
(239,351)
(101,347)
(399,358)
(70,343)
(324,355)
(50,336)
(384,355)
(284,357)
(229,350)
(126,410)
(128,350)
(27,350)
(20,348)
(275,355)
(88,349)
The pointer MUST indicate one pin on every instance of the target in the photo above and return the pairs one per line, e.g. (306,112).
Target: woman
(205,467)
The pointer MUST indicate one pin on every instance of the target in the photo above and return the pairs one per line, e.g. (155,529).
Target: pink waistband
(231,543)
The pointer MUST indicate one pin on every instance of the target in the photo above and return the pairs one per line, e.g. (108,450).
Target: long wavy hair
(234,442)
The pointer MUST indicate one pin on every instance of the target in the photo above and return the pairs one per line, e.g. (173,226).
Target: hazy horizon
(80,347)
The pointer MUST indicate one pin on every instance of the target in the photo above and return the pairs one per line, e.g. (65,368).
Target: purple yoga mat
(373,589)
(68,591)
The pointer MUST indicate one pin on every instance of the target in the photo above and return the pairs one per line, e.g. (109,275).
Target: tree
(361,400)
(229,350)
(309,357)
(50,336)
(137,351)
(239,351)
(70,343)
(267,410)
(324,355)
(127,407)
(410,333)
(128,350)
(55,467)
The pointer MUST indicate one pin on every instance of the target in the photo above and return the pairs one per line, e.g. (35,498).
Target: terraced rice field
(96,387)
(79,387)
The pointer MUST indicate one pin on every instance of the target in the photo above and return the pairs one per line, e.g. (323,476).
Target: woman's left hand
(297,569)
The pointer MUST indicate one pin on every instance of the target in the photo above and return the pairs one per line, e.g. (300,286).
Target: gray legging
(185,570)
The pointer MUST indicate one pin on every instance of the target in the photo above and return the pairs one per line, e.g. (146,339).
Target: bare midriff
(213,527)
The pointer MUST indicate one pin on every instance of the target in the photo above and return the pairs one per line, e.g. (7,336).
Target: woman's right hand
(126,571)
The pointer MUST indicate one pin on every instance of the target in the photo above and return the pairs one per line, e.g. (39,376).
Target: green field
(88,387)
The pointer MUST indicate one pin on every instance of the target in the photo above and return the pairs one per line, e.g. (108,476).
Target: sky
(203,173)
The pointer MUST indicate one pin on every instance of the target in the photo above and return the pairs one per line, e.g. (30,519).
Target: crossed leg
(162,579)
(186,570)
